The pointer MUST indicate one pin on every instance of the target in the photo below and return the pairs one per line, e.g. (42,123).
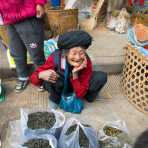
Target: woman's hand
(82,66)
(39,11)
(49,75)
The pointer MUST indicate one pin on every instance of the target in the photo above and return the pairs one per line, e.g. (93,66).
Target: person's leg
(32,34)
(54,89)
(19,53)
(97,81)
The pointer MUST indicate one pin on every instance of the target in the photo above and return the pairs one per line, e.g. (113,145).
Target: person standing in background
(23,19)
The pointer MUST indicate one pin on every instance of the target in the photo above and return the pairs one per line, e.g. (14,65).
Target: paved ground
(107,50)
(113,105)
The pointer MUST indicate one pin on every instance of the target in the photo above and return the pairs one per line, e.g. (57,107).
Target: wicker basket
(142,19)
(3,34)
(135,78)
(62,20)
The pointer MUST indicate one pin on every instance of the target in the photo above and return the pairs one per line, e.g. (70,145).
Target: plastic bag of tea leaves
(42,141)
(15,139)
(114,135)
(77,135)
(41,121)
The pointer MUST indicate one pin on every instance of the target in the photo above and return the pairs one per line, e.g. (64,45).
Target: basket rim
(61,10)
(138,52)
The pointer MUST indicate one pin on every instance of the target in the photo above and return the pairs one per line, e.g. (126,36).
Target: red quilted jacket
(80,85)
(13,11)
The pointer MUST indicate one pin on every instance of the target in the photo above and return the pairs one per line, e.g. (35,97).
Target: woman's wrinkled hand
(82,66)
(48,75)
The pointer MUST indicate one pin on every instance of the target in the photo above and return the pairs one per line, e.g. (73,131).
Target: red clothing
(80,85)
(146,47)
(141,2)
(13,11)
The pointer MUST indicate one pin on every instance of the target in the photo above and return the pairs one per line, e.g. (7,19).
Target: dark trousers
(97,81)
(23,36)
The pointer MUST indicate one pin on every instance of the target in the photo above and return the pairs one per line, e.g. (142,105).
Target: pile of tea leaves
(108,143)
(117,142)
(111,131)
(117,138)
(37,143)
(40,120)
(83,140)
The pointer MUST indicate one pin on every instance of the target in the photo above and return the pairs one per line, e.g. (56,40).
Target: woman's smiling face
(75,56)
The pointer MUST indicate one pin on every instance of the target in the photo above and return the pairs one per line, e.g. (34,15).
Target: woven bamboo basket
(135,78)
(62,20)
(3,34)
(142,19)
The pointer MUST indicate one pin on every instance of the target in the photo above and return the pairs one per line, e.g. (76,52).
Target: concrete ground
(112,104)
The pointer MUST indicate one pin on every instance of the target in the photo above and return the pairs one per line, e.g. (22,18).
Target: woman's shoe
(21,85)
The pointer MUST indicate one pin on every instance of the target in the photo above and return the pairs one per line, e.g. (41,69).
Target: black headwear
(74,39)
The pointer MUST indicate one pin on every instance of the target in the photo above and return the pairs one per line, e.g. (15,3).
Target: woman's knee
(103,78)
(46,85)
(99,78)
(57,87)
(90,99)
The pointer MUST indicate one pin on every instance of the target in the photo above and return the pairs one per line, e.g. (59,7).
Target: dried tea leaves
(110,131)
(37,143)
(40,120)
(83,140)
(71,129)
(117,142)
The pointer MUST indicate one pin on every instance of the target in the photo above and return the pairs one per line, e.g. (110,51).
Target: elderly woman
(71,57)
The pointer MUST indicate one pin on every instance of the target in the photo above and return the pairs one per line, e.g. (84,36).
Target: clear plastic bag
(114,135)
(72,140)
(112,22)
(122,25)
(123,21)
(72,4)
(52,140)
(84,7)
(120,22)
(15,138)
(55,130)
